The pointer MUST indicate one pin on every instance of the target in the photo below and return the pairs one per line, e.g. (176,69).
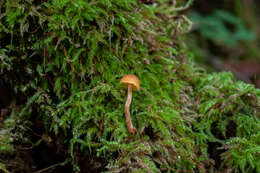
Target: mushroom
(131,82)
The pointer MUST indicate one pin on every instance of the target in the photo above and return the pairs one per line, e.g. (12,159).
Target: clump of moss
(67,57)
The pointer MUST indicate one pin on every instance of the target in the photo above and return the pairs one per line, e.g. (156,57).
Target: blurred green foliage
(222,27)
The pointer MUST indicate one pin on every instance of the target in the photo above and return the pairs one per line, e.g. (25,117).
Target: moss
(67,58)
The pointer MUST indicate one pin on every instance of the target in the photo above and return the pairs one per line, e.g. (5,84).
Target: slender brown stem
(129,124)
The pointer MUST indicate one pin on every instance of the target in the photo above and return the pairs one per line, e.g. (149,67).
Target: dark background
(226,37)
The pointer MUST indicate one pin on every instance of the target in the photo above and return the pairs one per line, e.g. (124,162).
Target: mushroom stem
(129,124)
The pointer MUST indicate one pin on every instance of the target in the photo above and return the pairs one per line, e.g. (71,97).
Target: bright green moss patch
(67,58)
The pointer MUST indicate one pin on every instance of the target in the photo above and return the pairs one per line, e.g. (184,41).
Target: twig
(50,167)
(2,167)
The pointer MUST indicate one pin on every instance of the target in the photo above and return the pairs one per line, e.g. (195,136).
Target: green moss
(69,56)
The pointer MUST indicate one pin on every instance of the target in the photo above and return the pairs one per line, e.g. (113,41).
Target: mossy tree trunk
(63,61)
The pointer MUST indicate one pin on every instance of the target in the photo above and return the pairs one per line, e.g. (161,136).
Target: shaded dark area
(206,7)
(6,94)
(92,164)
(215,153)
(214,148)
(50,154)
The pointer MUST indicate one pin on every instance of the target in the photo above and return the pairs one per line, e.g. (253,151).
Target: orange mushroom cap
(130,79)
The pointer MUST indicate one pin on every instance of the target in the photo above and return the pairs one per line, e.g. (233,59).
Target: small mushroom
(131,82)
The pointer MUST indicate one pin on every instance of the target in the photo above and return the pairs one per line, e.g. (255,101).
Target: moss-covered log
(61,64)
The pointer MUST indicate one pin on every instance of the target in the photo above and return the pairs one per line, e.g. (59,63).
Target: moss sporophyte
(131,82)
